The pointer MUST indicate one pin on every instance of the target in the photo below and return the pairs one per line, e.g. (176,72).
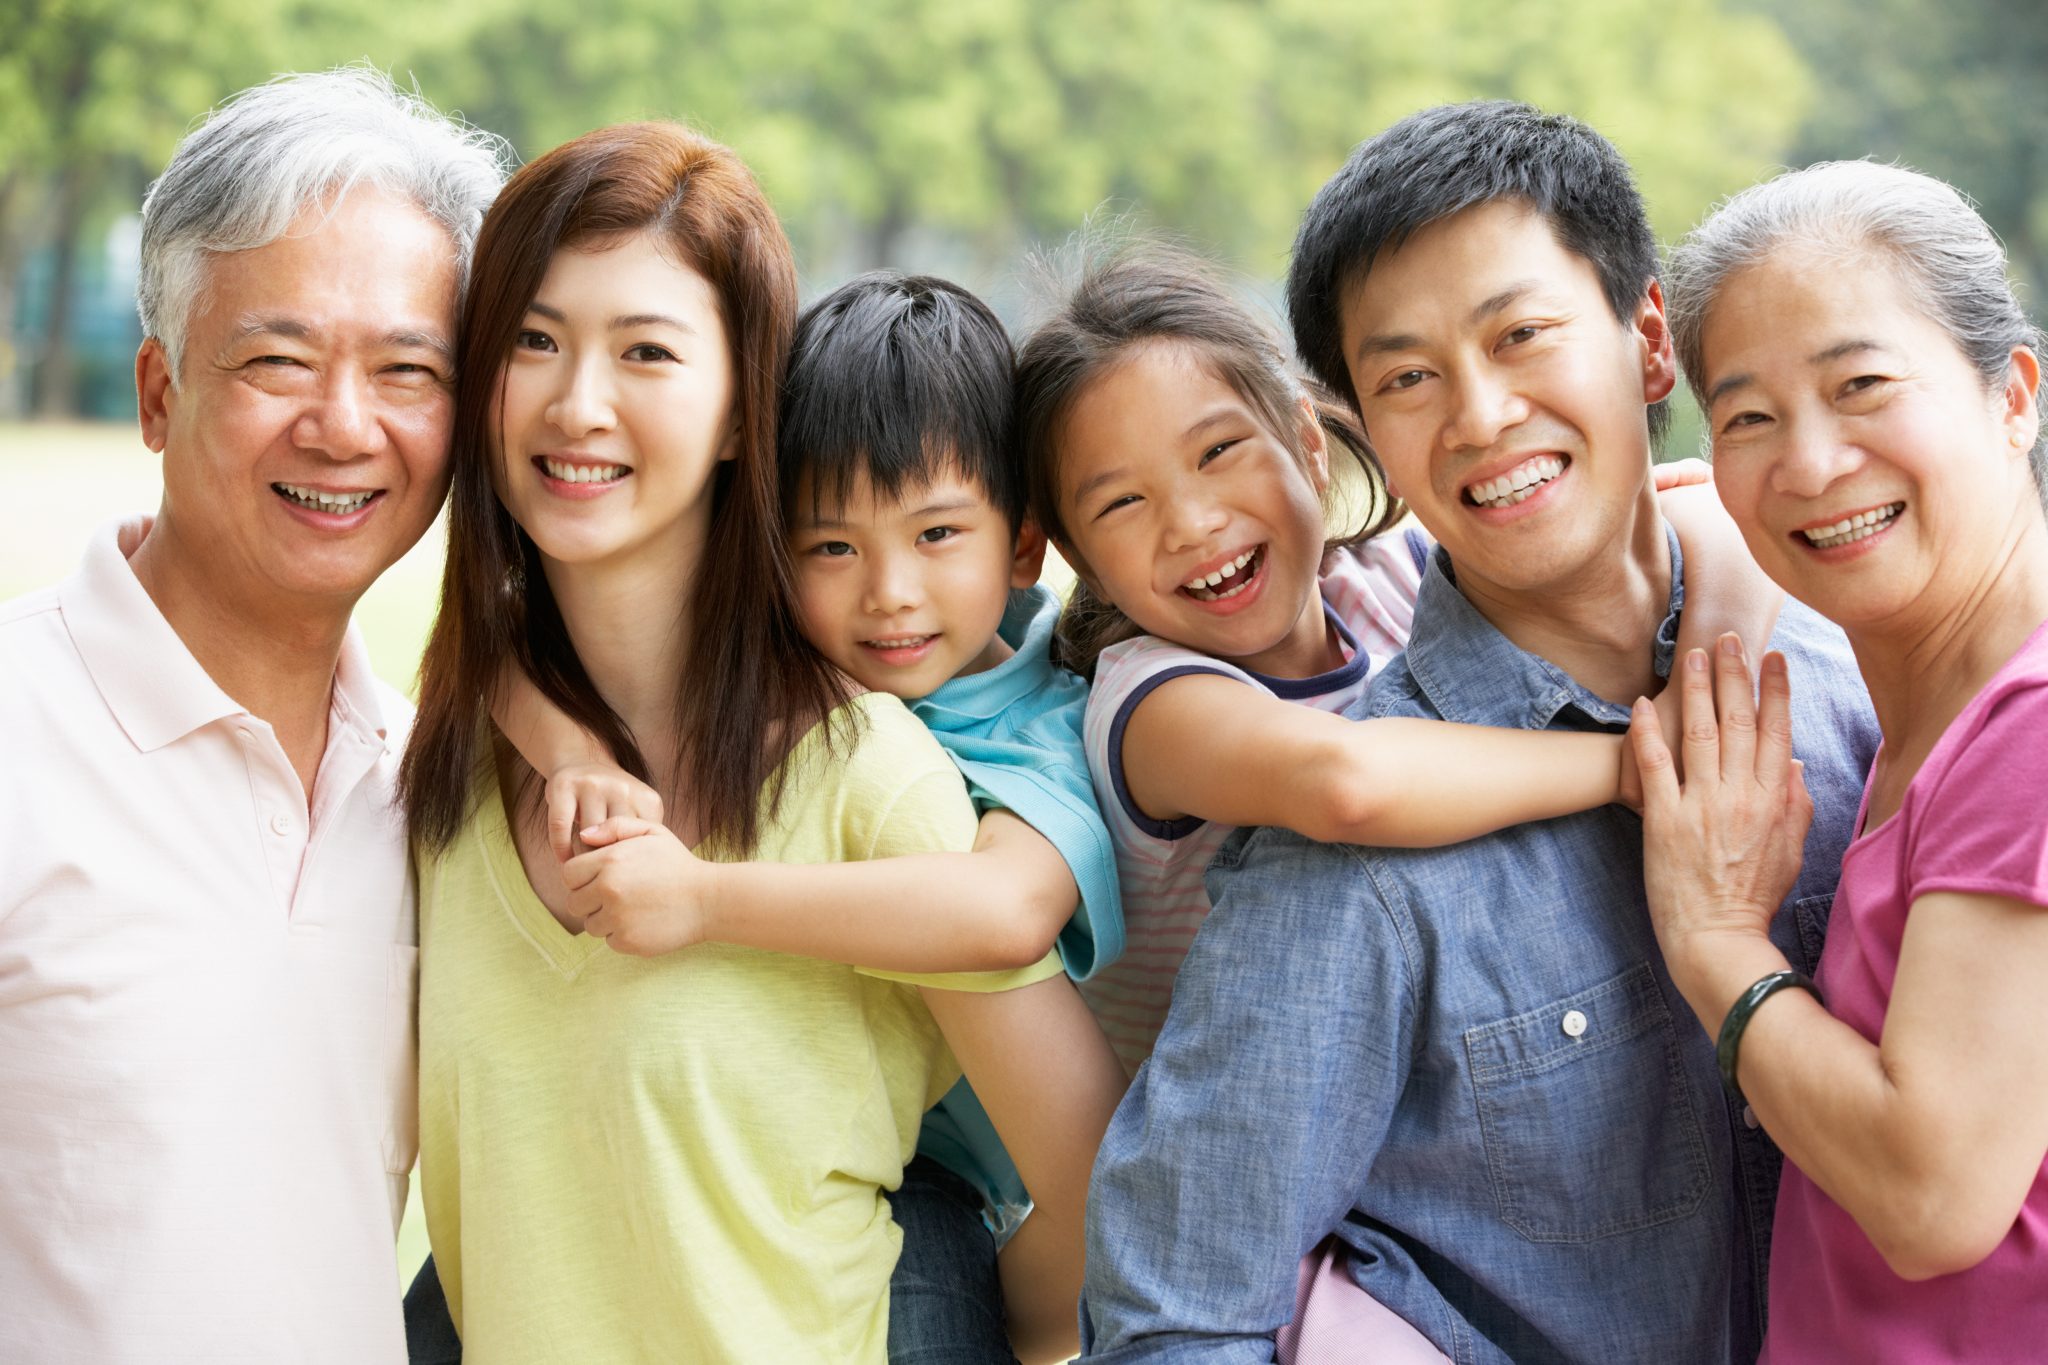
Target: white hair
(1943,254)
(262,158)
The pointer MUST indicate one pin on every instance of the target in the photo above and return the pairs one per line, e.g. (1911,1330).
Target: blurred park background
(953,136)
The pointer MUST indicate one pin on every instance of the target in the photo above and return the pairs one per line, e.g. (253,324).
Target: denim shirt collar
(1471,672)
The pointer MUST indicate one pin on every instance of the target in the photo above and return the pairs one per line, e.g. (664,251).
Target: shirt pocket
(1588,1121)
(1810,918)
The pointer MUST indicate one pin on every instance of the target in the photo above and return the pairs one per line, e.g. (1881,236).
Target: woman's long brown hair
(751,685)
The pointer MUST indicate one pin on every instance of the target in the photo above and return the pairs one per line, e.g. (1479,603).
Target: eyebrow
(618,324)
(1841,350)
(1095,481)
(1497,302)
(292,329)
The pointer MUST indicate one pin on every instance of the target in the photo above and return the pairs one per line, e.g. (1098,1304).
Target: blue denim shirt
(1467,1062)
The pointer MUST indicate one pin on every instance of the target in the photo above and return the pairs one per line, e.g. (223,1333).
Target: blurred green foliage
(954,134)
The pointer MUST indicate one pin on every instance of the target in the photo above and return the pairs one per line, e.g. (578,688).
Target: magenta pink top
(1974,820)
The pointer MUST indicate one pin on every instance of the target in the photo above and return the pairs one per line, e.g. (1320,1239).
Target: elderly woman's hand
(1722,849)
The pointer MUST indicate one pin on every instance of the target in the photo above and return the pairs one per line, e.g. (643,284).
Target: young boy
(916,572)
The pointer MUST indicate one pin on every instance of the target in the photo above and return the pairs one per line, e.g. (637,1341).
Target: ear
(1028,560)
(2022,399)
(1315,443)
(1659,360)
(154,394)
(729,448)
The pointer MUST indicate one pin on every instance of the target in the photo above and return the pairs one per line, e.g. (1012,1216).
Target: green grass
(63,481)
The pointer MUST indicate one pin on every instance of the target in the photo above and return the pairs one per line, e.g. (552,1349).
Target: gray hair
(1945,256)
(242,177)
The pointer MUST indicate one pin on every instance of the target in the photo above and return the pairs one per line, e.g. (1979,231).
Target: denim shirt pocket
(1810,918)
(1586,1114)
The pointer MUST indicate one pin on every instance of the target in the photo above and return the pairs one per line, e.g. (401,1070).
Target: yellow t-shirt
(680,1158)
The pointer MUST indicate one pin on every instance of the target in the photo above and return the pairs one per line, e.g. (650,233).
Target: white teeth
(582,473)
(907,642)
(1518,484)
(1851,529)
(341,504)
(1228,570)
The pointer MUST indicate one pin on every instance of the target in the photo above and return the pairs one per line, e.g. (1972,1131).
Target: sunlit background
(954,136)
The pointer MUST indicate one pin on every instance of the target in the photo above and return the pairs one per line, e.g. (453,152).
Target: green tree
(1955,90)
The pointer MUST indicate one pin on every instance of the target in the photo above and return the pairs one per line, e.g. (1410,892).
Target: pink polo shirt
(206,1001)
(1974,820)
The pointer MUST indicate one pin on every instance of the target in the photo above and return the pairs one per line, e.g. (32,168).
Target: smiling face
(305,441)
(904,593)
(1855,445)
(1507,403)
(1191,517)
(615,406)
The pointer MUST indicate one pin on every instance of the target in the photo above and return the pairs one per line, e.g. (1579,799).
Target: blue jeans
(945,1300)
(429,1332)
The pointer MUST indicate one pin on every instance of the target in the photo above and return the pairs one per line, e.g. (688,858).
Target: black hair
(895,380)
(1440,162)
(1149,293)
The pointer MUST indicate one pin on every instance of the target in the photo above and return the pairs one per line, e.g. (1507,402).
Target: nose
(1192,519)
(342,421)
(584,402)
(1811,457)
(892,585)
(1484,405)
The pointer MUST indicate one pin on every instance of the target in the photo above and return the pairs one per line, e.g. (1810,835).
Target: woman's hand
(1721,851)
(640,889)
(580,795)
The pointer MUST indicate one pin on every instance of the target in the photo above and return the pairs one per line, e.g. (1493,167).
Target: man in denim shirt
(1468,1063)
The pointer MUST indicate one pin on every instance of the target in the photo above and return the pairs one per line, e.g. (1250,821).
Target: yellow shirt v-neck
(680,1158)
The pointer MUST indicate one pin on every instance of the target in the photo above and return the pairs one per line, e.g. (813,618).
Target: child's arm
(1049,1081)
(996,908)
(584,785)
(1215,748)
(1725,592)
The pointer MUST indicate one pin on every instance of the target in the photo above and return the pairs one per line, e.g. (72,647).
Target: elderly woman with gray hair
(1871,390)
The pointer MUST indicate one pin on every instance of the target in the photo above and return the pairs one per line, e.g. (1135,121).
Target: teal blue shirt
(1014,731)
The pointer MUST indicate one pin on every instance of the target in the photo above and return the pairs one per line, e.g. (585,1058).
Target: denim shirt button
(1748,1117)
(1573,1023)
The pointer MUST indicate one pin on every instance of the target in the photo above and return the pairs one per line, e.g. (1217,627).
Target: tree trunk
(13,254)
(885,237)
(56,387)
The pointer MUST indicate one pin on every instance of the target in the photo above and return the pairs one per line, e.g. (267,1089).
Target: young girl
(682,1157)
(1182,472)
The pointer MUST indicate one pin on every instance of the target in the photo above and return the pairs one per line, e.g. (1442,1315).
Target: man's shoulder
(25,613)
(33,640)
(1393,691)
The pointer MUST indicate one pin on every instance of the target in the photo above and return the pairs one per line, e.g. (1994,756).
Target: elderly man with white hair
(207,937)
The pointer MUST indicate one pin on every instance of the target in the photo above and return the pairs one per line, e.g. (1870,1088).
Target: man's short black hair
(1440,162)
(895,380)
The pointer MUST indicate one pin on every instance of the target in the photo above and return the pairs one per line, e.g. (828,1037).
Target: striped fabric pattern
(1369,594)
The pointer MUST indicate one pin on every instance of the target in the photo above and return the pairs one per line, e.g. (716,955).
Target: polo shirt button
(280,823)
(1573,1023)
(1748,1117)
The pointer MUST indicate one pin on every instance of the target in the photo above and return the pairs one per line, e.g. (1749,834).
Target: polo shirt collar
(156,690)
(1472,673)
(1027,628)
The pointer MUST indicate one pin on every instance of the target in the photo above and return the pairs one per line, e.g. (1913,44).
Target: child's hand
(639,889)
(580,795)
(1680,474)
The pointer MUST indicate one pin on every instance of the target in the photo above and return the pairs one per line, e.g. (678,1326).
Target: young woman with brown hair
(679,1157)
